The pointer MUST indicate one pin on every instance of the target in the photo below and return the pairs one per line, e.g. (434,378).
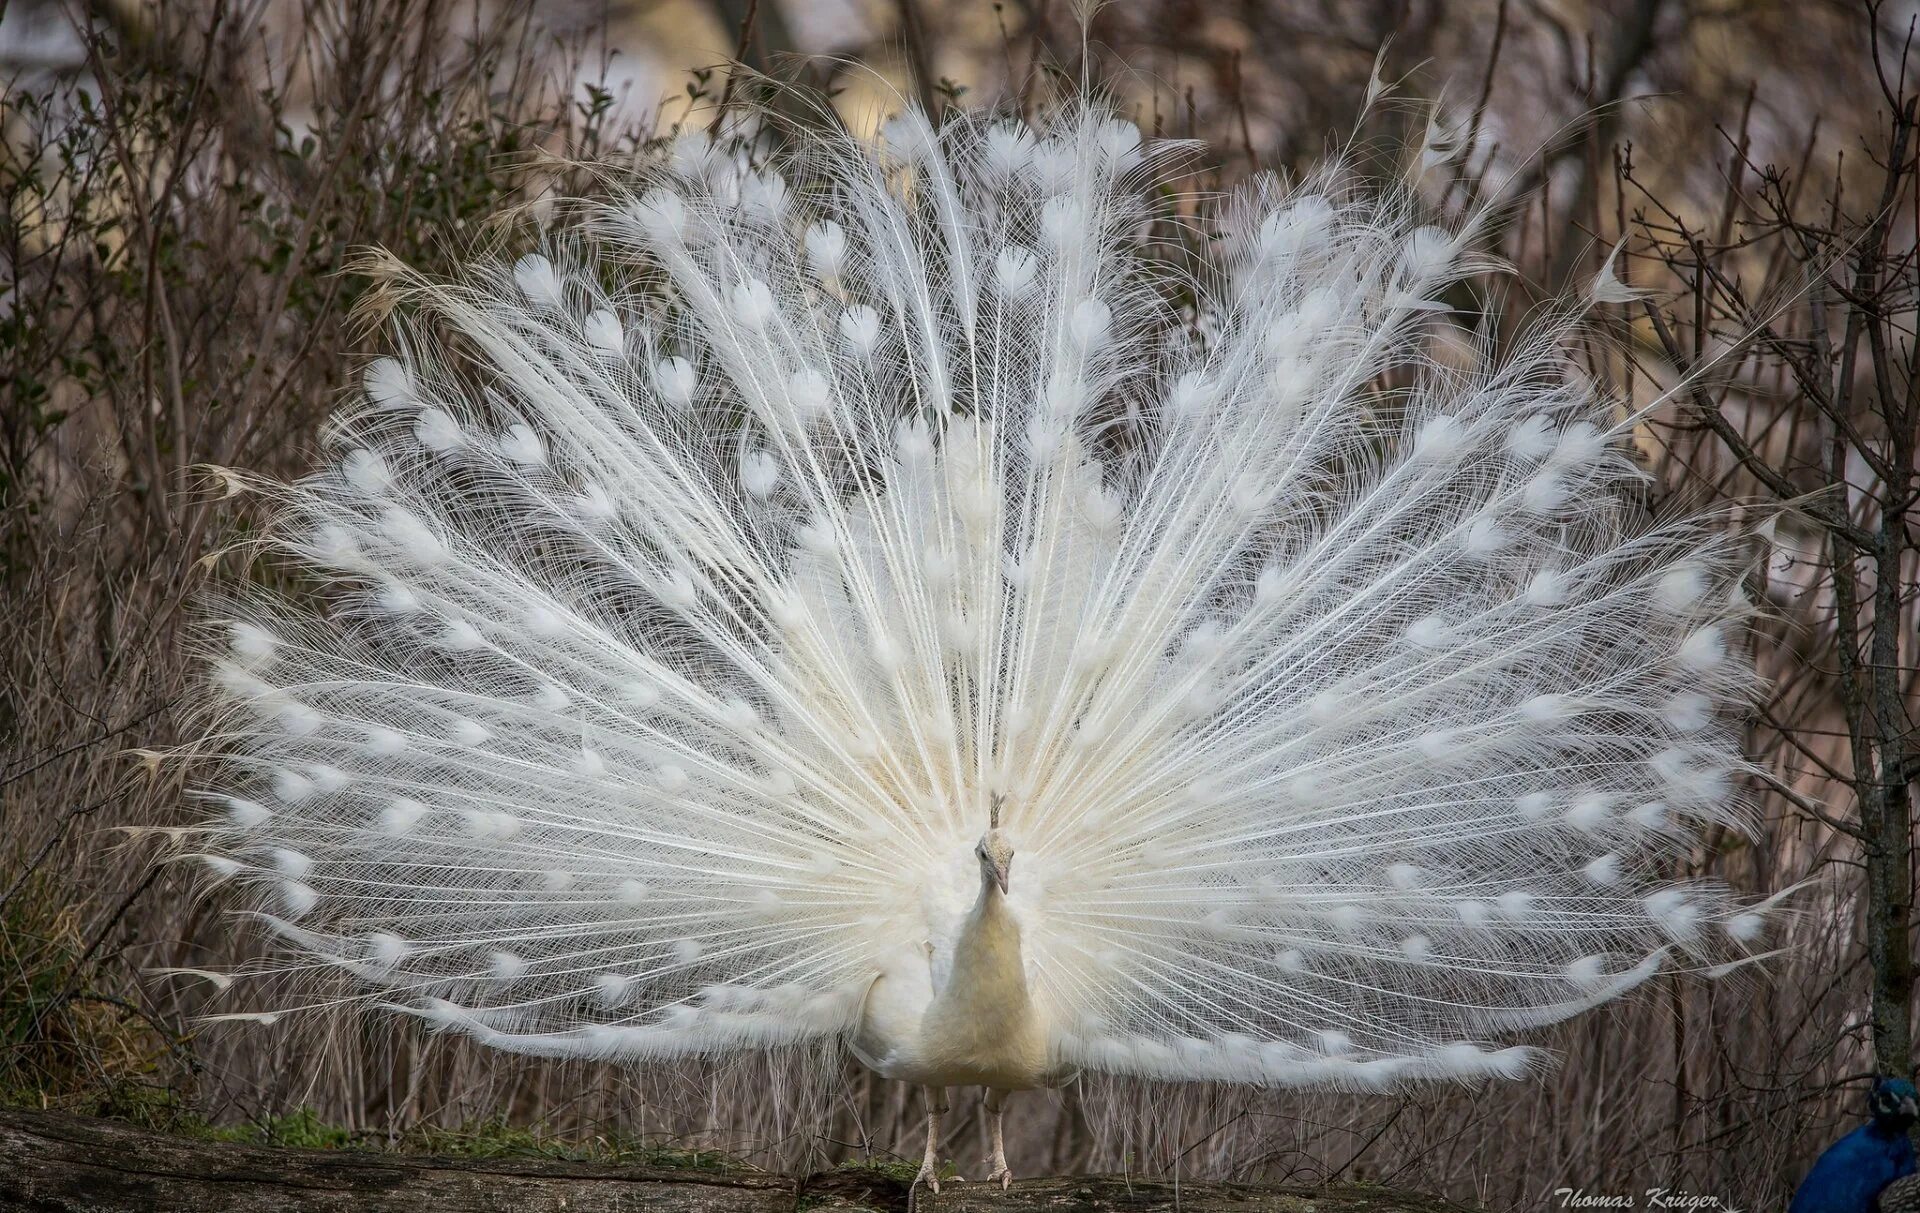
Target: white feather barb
(671,666)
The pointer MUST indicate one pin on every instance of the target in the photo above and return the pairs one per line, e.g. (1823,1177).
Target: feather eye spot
(397,598)
(1580,443)
(1704,649)
(611,989)
(411,536)
(367,472)
(1063,221)
(1294,226)
(539,281)
(810,394)
(759,473)
(1589,811)
(298,899)
(592,504)
(674,379)
(661,217)
(401,815)
(1532,438)
(505,966)
(860,328)
(1483,537)
(291,787)
(1677,915)
(1101,509)
(1547,589)
(1437,745)
(468,732)
(1515,904)
(247,814)
(389,385)
(385,950)
(632,892)
(1545,493)
(1189,396)
(1006,151)
(292,717)
(1587,971)
(603,333)
(1428,632)
(437,431)
(1546,708)
(1439,438)
(1270,586)
(826,244)
(219,867)
(1745,927)
(1428,253)
(1649,815)
(1680,588)
(753,305)
(1089,324)
(1688,712)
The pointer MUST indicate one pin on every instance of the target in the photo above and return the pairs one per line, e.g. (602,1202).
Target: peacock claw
(1004,1175)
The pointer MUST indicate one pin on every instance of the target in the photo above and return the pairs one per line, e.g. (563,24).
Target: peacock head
(995,852)
(995,848)
(1894,1103)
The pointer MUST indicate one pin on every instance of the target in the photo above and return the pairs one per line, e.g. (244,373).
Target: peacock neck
(987,954)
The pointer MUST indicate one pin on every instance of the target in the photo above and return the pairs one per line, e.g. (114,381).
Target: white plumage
(700,586)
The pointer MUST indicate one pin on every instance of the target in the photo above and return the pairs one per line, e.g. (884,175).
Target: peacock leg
(930,1165)
(997,1110)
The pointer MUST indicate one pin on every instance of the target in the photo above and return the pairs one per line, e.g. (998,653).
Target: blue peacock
(1871,1168)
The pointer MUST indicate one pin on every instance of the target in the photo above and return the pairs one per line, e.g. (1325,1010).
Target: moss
(497,1138)
(904,1172)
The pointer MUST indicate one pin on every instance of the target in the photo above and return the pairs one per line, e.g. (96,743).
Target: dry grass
(180,203)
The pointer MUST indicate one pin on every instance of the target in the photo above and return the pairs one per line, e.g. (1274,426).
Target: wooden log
(56,1163)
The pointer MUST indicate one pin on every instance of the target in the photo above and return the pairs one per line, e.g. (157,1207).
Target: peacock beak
(1907,1105)
(1000,872)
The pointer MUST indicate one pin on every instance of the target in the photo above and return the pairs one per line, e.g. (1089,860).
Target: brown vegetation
(184,188)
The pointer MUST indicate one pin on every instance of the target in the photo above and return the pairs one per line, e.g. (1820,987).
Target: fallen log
(57,1163)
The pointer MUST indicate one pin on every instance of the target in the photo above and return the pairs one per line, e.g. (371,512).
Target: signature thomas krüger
(1650,1198)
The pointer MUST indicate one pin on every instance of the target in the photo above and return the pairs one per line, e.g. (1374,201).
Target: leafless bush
(182,194)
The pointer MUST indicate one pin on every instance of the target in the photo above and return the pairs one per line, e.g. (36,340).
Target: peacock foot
(1004,1174)
(929,1176)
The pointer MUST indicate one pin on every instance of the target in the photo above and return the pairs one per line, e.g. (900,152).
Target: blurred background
(182,186)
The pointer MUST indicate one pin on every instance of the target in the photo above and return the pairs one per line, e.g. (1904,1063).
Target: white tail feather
(680,636)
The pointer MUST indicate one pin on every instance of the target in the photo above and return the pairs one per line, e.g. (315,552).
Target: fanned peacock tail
(692,586)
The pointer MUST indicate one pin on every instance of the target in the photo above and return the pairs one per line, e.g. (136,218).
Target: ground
(53,1162)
